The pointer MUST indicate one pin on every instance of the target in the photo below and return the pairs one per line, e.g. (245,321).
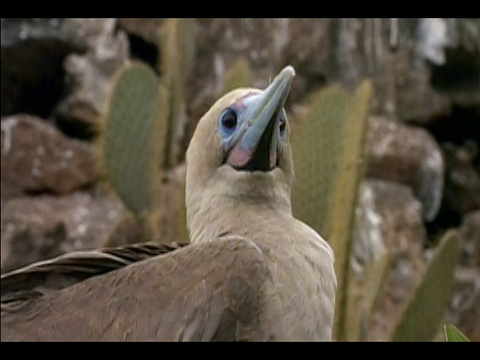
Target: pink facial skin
(239,156)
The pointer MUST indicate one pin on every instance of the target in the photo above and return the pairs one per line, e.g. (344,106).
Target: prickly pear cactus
(316,148)
(368,273)
(328,151)
(422,318)
(131,138)
(238,75)
(453,334)
(177,42)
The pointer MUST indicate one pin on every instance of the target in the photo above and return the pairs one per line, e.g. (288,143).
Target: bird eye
(228,121)
(283,123)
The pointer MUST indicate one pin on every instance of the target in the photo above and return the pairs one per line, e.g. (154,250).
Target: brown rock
(32,54)
(388,214)
(45,226)
(89,74)
(387,257)
(462,184)
(416,100)
(470,236)
(147,29)
(464,311)
(410,156)
(36,157)
(394,53)
(16,30)
(458,74)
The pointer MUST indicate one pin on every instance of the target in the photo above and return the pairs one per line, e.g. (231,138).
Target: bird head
(240,147)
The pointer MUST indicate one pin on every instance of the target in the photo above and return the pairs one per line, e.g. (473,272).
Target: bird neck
(236,208)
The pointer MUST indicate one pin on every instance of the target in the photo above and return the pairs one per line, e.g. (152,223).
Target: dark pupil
(229,120)
(283,123)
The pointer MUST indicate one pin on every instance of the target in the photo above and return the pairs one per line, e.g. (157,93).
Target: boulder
(88,74)
(32,55)
(408,155)
(36,228)
(462,180)
(44,59)
(464,311)
(37,157)
(146,29)
(419,67)
(387,257)
(470,236)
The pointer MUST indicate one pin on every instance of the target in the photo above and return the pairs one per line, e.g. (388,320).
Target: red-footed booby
(252,272)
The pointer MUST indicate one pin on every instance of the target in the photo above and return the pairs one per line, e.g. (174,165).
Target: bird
(251,271)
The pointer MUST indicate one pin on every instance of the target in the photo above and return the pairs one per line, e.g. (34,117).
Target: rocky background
(423,172)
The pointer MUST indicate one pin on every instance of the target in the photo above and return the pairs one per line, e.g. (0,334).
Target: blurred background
(96,115)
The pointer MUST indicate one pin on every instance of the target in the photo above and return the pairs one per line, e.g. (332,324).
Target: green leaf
(453,334)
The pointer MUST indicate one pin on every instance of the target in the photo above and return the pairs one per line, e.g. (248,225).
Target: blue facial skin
(253,128)
(231,119)
(247,139)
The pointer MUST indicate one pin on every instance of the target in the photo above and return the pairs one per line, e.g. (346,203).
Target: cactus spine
(238,75)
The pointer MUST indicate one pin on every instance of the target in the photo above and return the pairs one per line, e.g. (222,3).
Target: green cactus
(177,44)
(131,138)
(316,135)
(143,129)
(328,151)
(238,75)
(363,294)
(453,334)
(345,195)
(173,210)
(422,317)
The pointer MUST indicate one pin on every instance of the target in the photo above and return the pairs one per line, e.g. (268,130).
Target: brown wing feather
(205,291)
(41,277)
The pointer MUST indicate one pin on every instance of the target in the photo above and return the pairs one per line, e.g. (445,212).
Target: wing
(210,291)
(42,277)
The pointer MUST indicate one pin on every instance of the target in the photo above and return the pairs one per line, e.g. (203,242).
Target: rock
(464,311)
(410,156)
(387,257)
(16,30)
(470,236)
(32,76)
(401,56)
(147,29)
(416,100)
(37,157)
(419,67)
(89,74)
(433,39)
(388,214)
(42,59)
(36,228)
(458,75)
(462,180)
